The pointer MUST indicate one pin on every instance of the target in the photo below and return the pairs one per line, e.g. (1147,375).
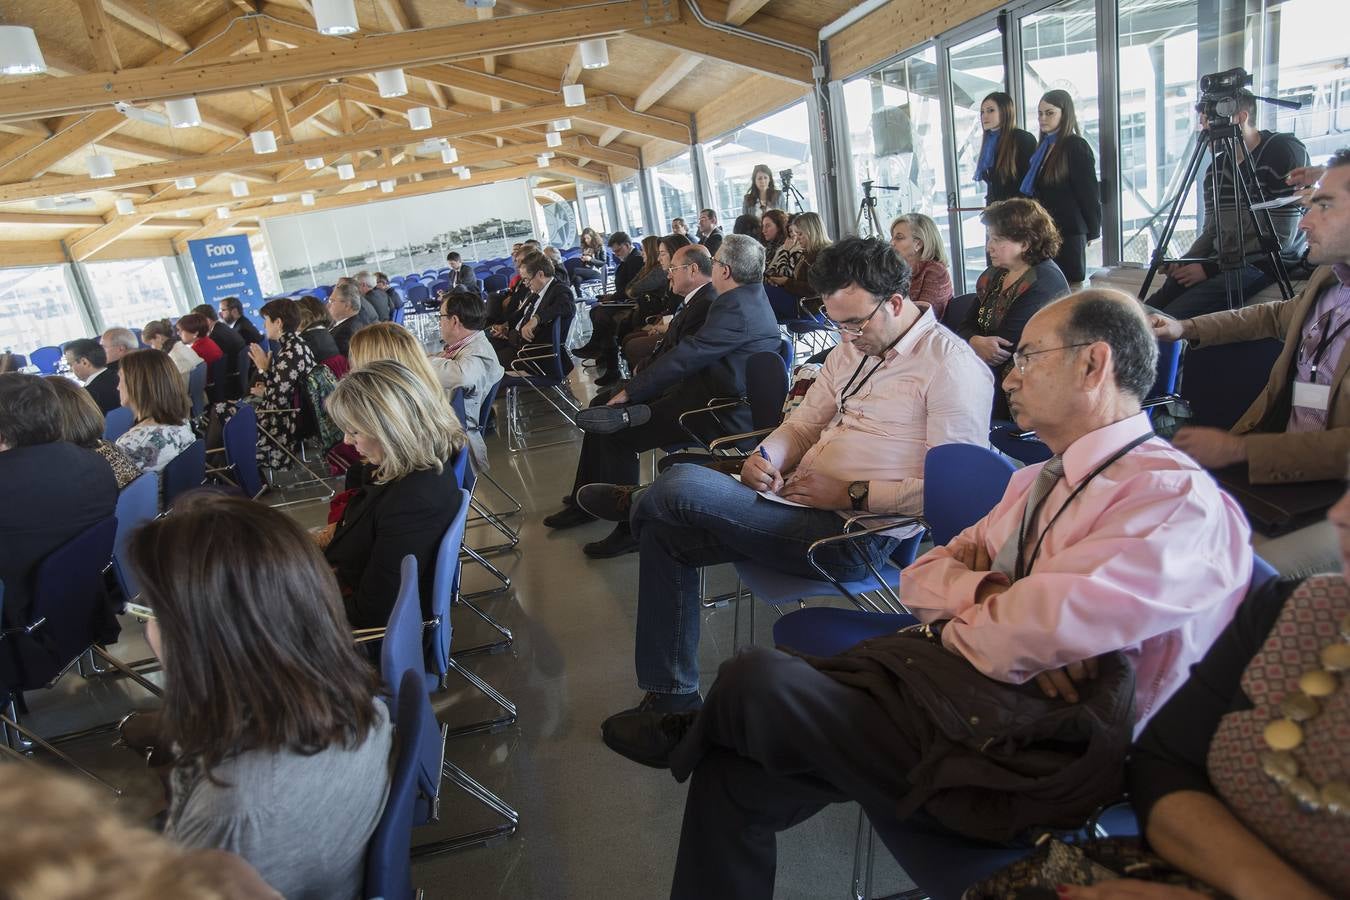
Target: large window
(676,197)
(630,195)
(975,68)
(895,136)
(37,309)
(782,142)
(597,212)
(1297,51)
(131,292)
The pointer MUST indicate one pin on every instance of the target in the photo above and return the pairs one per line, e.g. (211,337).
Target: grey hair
(363,278)
(744,256)
(347,292)
(120,337)
(1100,314)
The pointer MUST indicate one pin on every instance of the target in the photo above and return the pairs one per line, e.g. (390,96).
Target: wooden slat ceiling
(492,79)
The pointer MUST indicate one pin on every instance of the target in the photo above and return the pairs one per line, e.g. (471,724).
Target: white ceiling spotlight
(542,161)
(264,141)
(553,139)
(183,112)
(186,183)
(480,4)
(561,124)
(594,54)
(239,188)
(280,198)
(307,199)
(449,156)
(222,212)
(464,174)
(387,186)
(100,166)
(181,213)
(19,51)
(314,162)
(336,17)
(574,95)
(391,83)
(419,118)
(346,172)
(125,206)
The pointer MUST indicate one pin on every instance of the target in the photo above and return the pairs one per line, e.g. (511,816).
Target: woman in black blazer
(408,433)
(1063,177)
(1005,152)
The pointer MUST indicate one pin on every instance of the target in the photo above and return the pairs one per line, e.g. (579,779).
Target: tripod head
(1220,93)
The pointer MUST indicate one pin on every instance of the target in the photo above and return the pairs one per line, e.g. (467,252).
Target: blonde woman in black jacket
(1063,177)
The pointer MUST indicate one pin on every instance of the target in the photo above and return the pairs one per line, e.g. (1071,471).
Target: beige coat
(1273,455)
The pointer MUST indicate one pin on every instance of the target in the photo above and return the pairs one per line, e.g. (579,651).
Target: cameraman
(1193,289)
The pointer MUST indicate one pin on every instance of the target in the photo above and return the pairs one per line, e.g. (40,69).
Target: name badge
(1316,397)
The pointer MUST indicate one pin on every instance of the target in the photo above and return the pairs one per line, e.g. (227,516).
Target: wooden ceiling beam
(99,33)
(43,97)
(665,81)
(144,150)
(611,110)
(739,11)
(50,220)
(692,37)
(140,20)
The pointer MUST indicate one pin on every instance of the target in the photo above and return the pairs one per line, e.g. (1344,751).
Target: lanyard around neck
(846,394)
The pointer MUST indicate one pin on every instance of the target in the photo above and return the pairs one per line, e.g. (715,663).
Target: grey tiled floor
(592,824)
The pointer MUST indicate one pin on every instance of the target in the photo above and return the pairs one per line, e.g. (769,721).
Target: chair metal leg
(10,719)
(485,515)
(472,555)
(493,646)
(483,836)
(516,506)
(487,725)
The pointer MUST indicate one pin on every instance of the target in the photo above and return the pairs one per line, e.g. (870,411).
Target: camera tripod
(1224,141)
(867,210)
(793,194)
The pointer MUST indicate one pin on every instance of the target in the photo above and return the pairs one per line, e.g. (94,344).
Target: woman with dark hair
(590,266)
(1005,150)
(246,615)
(773,232)
(161,336)
(1062,177)
(748,225)
(150,386)
(283,373)
(763,195)
(313,328)
(194,329)
(1021,242)
(82,425)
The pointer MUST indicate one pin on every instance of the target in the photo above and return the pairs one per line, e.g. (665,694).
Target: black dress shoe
(590,351)
(616,543)
(609,419)
(611,502)
(647,737)
(609,378)
(568,517)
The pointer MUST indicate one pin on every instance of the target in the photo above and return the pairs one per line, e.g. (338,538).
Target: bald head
(1117,319)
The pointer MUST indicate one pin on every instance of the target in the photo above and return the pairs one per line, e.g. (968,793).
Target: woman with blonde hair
(400,422)
(806,233)
(150,386)
(915,239)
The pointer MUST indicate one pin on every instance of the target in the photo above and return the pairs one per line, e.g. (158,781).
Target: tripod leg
(1174,216)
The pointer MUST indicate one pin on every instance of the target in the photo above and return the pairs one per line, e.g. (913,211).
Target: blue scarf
(1028,187)
(988,150)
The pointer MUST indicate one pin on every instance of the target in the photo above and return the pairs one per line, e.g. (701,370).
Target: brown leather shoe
(611,502)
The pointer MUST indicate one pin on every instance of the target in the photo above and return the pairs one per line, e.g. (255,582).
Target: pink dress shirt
(931,389)
(1151,558)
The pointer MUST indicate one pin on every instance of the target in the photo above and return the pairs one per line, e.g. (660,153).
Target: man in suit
(117,343)
(50,492)
(699,366)
(366,313)
(550,299)
(377,298)
(89,362)
(344,305)
(709,232)
(230,342)
(232,314)
(461,277)
(630,263)
(1298,429)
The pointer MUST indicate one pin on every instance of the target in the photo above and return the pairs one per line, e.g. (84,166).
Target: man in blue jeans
(897,385)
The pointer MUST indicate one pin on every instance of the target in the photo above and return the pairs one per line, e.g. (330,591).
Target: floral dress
(285,377)
(152,446)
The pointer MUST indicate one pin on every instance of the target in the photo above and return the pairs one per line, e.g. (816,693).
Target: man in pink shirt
(1129,545)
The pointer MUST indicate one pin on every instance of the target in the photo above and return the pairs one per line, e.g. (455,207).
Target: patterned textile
(124,470)
(996,298)
(1313,842)
(152,447)
(292,361)
(784,262)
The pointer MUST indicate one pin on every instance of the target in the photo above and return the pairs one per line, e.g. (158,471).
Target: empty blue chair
(388,874)
(137,503)
(47,359)
(240,438)
(418,293)
(184,472)
(496,282)
(117,423)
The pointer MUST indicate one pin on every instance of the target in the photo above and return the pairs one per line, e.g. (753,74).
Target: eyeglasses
(1020,357)
(853,326)
(687,266)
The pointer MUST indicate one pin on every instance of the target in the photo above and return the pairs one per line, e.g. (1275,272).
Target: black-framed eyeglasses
(1020,357)
(853,326)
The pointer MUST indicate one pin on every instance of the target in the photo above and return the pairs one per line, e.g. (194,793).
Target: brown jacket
(1273,455)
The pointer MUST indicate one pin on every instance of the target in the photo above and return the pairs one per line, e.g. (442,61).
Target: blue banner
(225,269)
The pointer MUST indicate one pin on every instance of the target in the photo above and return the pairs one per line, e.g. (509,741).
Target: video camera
(1219,94)
(785,177)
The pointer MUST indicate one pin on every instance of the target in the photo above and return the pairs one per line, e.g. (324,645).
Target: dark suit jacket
(627,271)
(380,301)
(381,525)
(557,302)
(1001,188)
(712,241)
(467,281)
(368,315)
(342,332)
(322,343)
(505,306)
(230,343)
(711,362)
(246,330)
(687,321)
(49,493)
(1074,202)
(103,388)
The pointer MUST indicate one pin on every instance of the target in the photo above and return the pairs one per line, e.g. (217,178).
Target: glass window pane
(782,142)
(630,195)
(1305,41)
(895,137)
(675,185)
(37,309)
(1158,53)
(1059,51)
(131,292)
(975,67)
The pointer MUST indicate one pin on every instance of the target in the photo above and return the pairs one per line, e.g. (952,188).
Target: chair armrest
(851,537)
(1159,401)
(713,406)
(894,521)
(726,440)
(24,629)
(617,304)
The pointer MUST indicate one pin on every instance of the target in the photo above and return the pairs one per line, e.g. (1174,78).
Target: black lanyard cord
(1327,337)
(846,394)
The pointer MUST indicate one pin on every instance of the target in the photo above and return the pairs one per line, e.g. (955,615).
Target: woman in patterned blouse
(150,386)
(1021,241)
(82,425)
(284,371)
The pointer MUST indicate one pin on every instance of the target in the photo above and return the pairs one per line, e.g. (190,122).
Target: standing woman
(1063,177)
(1005,152)
(150,386)
(283,373)
(763,195)
(915,239)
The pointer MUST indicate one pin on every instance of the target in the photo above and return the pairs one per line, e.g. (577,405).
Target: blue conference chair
(47,359)
(240,438)
(184,472)
(117,423)
(137,503)
(469,481)
(197,389)
(245,365)
(388,874)
(958,309)
(1221,381)
(543,368)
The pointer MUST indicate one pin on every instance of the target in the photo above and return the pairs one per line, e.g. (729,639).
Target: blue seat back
(1169,367)
(445,585)
(184,472)
(197,389)
(388,872)
(958,309)
(961,484)
(399,313)
(495,282)
(1221,381)
(117,422)
(788,352)
(240,437)
(418,293)
(244,363)
(216,386)
(766,387)
(46,359)
(401,649)
(137,503)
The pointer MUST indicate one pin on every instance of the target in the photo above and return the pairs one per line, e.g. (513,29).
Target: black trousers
(775,743)
(1072,258)
(613,458)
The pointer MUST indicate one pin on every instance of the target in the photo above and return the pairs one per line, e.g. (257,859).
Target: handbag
(1056,862)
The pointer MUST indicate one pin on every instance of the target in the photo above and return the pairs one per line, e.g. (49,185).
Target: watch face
(857,490)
